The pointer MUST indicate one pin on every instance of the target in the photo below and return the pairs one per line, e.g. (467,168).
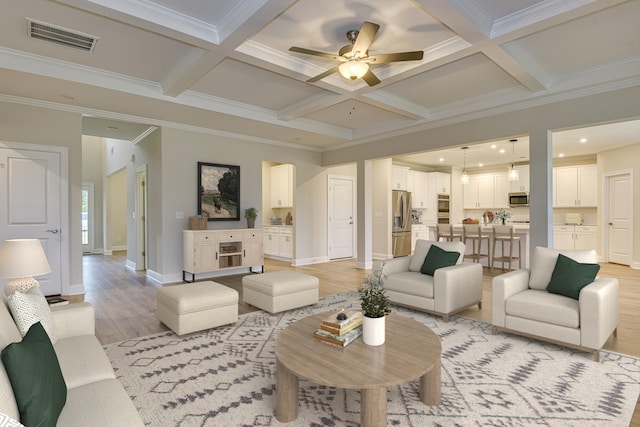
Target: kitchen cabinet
(575,186)
(479,192)
(399,177)
(522,184)
(278,242)
(443,182)
(206,251)
(282,186)
(418,185)
(501,191)
(418,231)
(575,237)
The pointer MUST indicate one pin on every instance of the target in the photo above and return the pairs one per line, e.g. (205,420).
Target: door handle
(54,231)
(610,223)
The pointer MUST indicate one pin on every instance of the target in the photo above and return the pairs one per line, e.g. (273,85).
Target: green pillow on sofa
(35,376)
(570,276)
(437,258)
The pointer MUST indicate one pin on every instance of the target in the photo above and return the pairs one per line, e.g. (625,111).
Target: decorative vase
(503,220)
(251,222)
(373,330)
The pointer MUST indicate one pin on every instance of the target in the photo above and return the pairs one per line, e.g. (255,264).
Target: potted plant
(251,214)
(503,214)
(375,306)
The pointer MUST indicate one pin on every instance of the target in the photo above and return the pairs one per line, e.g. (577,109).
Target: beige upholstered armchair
(409,280)
(522,301)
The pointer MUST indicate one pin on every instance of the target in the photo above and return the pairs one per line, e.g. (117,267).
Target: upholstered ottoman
(278,291)
(196,306)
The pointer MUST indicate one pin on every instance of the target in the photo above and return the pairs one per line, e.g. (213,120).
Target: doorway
(87,218)
(341,217)
(141,218)
(618,217)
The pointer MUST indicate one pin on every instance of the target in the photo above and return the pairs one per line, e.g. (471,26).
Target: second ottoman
(278,291)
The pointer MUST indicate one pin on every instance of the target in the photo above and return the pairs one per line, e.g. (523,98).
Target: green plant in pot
(251,214)
(375,306)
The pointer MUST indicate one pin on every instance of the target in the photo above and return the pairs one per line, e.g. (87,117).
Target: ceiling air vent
(62,36)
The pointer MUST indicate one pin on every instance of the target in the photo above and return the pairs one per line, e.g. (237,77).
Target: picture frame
(219,191)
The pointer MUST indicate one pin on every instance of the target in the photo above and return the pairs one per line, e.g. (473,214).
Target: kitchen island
(520,230)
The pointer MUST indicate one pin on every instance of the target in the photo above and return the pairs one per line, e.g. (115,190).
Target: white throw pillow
(422,248)
(29,308)
(7,421)
(544,261)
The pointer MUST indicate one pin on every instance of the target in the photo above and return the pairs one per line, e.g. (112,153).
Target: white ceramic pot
(373,330)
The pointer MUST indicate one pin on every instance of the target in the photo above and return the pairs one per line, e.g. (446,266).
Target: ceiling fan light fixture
(353,69)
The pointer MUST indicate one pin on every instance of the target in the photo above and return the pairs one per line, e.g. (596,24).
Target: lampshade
(513,174)
(20,259)
(353,69)
(465,177)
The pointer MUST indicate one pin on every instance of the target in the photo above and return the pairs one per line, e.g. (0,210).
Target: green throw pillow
(437,258)
(36,378)
(570,276)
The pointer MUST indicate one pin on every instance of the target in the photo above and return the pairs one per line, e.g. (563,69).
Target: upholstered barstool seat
(503,234)
(473,232)
(446,233)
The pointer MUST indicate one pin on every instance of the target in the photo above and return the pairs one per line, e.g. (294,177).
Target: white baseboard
(635,265)
(364,265)
(382,256)
(77,289)
(130,265)
(309,261)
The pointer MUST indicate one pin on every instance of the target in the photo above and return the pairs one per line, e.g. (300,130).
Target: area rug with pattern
(226,377)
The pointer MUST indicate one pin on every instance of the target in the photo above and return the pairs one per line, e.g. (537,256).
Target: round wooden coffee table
(411,350)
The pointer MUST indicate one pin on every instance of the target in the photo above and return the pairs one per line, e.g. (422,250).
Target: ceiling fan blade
(370,78)
(312,52)
(365,37)
(323,75)
(395,57)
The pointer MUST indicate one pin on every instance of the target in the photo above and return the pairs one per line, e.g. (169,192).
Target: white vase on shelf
(373,330)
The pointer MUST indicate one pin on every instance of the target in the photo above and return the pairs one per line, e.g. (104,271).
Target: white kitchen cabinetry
(418,185)
(479,192)
(399,176)
(278,242)
(443,182)
(575,237)
(522,184)
(418,231)
(282,186)
(501,191)
(575,186)
(206,251)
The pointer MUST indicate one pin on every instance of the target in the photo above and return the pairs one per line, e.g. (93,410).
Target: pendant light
(465,175)
(513,173)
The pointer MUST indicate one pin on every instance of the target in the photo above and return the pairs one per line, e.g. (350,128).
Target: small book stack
(340,332)
(56,300)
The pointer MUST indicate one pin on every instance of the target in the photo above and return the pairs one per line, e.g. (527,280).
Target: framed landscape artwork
(219,191)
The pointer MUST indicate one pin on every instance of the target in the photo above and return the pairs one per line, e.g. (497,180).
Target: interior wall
(381,205)
(92,153)
(117,210)
(36,125)
(625,158)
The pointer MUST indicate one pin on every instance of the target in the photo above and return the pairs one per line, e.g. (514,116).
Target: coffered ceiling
(225,67)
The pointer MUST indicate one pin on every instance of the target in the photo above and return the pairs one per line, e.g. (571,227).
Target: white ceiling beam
(394,104)
(310,105)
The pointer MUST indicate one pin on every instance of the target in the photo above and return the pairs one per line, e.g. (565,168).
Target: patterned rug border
(322,406)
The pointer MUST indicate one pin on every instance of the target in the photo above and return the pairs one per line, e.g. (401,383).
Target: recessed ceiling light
(442,159)
(493,145)
(583,140)
(480,165)
(561,155)
(502,151)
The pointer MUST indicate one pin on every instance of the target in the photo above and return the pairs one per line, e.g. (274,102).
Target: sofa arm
(395,265)
(503,287)
(457,287)
(72,320)
(598,311)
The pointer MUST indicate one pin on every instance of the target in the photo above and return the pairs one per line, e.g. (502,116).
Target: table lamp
(20,259)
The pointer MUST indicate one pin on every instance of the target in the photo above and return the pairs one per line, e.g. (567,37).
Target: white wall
(116,204)
(381,205)
(92,172)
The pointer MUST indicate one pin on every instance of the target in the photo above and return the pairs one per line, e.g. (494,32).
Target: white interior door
(30,205)
(141,218)
(341,228)
(619,218)
(87,218)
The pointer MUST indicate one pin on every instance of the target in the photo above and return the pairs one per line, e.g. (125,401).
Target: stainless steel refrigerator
(401,234)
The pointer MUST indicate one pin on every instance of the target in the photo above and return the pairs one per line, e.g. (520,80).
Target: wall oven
(443,209)
(517,200)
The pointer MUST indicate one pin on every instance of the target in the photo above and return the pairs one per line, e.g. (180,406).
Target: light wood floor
(124,300)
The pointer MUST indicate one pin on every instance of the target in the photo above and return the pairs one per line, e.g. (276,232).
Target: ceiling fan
(355,56)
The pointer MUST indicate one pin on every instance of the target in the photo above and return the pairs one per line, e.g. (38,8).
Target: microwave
(517,200)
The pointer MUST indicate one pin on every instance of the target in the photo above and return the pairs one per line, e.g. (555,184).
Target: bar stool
(474,233)
(445,231)
(504,234)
